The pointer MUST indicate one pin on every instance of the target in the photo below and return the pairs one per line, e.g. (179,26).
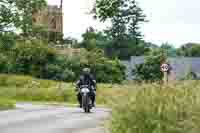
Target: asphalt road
(28,118)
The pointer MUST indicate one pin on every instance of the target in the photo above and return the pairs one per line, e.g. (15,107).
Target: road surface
(28,118)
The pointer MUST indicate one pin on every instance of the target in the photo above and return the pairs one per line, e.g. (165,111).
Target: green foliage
(31,56)
(126,17)
(125,51)
(151,108)
(93,39)
(189,50)
(40,33)
(106,70)
(18,14)
(104,9)
(89,44)
(110,72)
(25,9)
(4,62)
(150,69)
(6,15)
(7,41)
(169,49)
(190,75)
(151,45)
(34,57)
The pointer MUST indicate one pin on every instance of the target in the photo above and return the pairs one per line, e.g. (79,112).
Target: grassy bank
(6,104)
(25,88)
(152,108)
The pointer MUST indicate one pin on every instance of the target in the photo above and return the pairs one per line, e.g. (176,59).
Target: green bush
(36,58)
(7,41)
(150,69)
(106,70)
(31,56)
(156,109)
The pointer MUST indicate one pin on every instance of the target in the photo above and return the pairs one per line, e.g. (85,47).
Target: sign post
(164,69)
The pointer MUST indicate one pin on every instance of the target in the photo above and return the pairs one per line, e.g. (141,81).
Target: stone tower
(51,18)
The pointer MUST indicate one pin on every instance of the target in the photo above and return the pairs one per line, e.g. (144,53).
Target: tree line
(25,48)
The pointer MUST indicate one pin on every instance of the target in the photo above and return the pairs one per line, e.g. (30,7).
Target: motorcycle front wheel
(86,101)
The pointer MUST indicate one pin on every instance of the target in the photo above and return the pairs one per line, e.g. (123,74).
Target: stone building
(50,18)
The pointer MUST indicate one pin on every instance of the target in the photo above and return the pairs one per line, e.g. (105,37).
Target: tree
(105,9)
(18,14)
(7,13)
(89,39)
(126,17)
(190,50)
(136,17)
(93,39)
(151,45)
(169,49)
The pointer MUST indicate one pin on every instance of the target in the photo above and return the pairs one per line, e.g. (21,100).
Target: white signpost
(164,68)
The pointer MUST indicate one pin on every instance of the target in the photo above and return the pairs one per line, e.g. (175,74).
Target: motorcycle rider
(87,78)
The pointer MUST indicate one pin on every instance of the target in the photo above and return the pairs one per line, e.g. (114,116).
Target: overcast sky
(173,21)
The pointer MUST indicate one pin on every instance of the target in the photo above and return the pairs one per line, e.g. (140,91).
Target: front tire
(85,100)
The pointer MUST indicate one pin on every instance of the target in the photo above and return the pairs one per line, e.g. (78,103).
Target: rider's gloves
(77,89)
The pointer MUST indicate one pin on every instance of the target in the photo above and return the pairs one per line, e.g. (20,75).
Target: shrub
(36,58)
(190,75)
(7,41)
(150,69)
(31,54)
(106,70)
(4,61)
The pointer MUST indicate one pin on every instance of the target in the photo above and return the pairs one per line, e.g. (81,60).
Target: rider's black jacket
(86,79)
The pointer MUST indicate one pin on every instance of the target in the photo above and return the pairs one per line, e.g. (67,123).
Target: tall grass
(152,108)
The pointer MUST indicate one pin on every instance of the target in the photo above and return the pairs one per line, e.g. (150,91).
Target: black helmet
(86,71)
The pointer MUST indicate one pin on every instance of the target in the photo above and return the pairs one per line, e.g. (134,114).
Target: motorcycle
(86,99)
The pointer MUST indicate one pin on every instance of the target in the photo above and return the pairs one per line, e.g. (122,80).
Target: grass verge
(25,88)
(6,104)
(152,108)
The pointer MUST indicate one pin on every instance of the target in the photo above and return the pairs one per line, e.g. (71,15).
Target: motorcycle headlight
(85,90)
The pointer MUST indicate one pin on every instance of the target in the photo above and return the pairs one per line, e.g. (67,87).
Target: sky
(174,21)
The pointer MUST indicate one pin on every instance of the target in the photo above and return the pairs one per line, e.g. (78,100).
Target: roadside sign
(164,67)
